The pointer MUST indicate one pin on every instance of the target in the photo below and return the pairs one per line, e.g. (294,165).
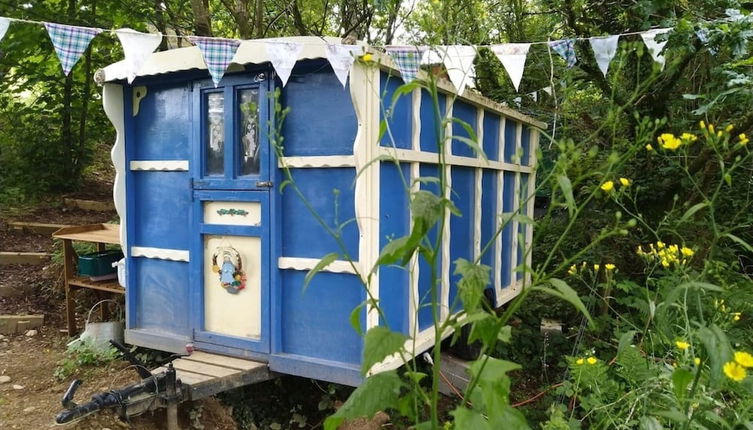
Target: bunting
(4,24)
(70,42)
(408,60)
(137,47)
(218,54)
(513,57)
(283,56)
(566,49)
(604,49)
(654,47)
(458,60)
(341,59)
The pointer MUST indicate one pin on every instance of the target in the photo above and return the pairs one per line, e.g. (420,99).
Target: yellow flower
(610,266)
(690,137)
(579,361)
(736,316)
(596,267)
(734,371)
(649,147)
(669,141)
(711,128)
(697,361)
(744,359)
(660,244)
(572,270)
(625,182)
(592,360)
(607,186)
(682,345)
(687,251)
(702,124)
(367,57)
(729,128)
(639,251)
(743,139)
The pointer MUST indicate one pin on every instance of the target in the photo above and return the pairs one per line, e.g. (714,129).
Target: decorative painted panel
(424,270)
(466,113)
(488,218)
(508,199)
(161,130)
(232,213)
(161,295)
(160,209)
(491,135)
(511,136)
(461,227)
(428,130)
(398,113)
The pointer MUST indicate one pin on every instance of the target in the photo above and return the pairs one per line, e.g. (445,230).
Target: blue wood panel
(491,135)
(398,113)
(394,222)
(315,322)
(461,227)
(430,124)
(522,227)
(322,120)
(510,135)
(466,113)
(161,295)
(488,219)
(162,129)
(161,208)
(508,197)
(525,140)
(330,191)
(425,319)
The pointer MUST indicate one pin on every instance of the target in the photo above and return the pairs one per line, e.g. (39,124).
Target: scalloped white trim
(318,161)
(298,263)
(112,102)
(160,253)
(160,165)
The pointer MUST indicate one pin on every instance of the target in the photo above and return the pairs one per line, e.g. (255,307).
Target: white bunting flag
(604,50)
(534,95)
(137,48)
(458,60)
(513,57)
(547,90)
(283,56)
(4,24)
(341,59)
(654,47)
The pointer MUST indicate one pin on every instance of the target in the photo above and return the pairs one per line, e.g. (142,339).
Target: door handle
(264,184)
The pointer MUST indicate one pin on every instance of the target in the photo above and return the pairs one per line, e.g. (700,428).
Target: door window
(248,130)
(214,141)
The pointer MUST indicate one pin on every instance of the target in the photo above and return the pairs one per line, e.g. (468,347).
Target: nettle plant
(681,351)
(413,395)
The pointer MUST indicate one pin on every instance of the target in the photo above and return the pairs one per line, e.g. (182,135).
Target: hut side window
(215,138)
(248,130)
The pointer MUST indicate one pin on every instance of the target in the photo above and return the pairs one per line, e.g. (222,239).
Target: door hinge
(264,184)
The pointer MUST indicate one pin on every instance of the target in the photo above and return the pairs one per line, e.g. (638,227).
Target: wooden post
(70,304)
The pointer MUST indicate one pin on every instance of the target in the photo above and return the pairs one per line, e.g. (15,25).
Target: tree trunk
(259,19)
(85,95)
(66,131)
(202,23)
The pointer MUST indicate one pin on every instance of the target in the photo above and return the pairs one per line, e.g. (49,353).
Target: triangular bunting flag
(4,24)
(137,48)
(408,60)
(341,59)
(654,47)
(217,53)
(431,56)
(458,60)
(534,95)
(283,56)
(513,57)
(604,50)
(517,101)
(566,49)
(547,90)
(70,42)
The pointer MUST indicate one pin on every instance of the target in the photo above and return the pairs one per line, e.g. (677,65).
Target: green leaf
(565,292)
(681,378)
(650,423)
(400,249)
(673,414)
(324,262)
(739,241)
(473,280)
(494,370)
(355,318)
(718,351)
(567,191)
(625,340)
(379,343)
(377,393)
(468,419)
(693,209)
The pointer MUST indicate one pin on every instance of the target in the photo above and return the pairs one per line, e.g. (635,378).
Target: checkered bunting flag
(217,53)
(566,49)
(408,60)
(70,42)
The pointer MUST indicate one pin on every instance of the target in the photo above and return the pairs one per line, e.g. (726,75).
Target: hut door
(231,190)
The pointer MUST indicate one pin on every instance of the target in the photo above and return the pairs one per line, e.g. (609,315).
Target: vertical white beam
(478,191)
(112,101)
(415,173)
(445,278)
(498,282)
(516,206)
(533,143)
(364,91)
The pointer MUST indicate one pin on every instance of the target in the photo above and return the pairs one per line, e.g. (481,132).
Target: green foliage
(83,354)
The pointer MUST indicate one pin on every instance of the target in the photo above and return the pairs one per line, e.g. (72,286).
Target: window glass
(215,138)
(248,130)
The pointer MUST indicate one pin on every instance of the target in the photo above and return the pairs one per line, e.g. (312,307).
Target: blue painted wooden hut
(216,256)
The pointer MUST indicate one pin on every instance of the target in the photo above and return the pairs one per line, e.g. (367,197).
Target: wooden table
(101,235)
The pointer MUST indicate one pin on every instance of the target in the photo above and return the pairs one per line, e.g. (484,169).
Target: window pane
(248,105)
(215,139)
